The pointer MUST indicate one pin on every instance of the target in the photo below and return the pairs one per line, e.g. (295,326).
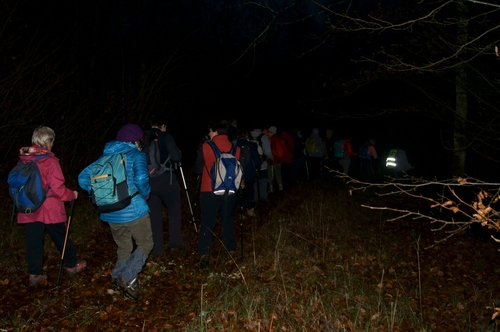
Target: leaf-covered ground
(313,260)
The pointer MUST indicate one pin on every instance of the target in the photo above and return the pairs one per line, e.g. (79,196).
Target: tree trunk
(460,139)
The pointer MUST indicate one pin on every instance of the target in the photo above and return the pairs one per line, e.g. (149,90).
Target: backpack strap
(215,149)
(233,150)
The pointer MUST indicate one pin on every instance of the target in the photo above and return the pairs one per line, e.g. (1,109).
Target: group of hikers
(135,176)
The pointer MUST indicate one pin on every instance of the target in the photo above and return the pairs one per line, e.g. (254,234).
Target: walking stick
(193,221)
(307,164)
(71,208)
(241,222)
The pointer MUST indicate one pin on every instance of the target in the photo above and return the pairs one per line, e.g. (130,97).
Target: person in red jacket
(278,149)
(345,160)
(212,204)
(51,216)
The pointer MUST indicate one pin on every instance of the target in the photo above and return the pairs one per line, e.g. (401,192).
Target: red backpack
(289,145)
(278,146)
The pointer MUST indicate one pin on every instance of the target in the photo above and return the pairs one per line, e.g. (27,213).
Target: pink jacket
(52,210)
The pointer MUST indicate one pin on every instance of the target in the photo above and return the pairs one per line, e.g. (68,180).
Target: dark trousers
(366,169)
(34,245)
(286,174)
(247,195)
(211,205)
(162,192)
(299,169)
(315,167)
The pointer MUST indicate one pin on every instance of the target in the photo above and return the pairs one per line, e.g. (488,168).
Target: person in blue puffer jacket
(132,222)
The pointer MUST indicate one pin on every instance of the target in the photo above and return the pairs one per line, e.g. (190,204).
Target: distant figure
(251,162)
(329,162)
(315,149)
(299,169)
(264,149)
(232,133)
(278,149)
(345,154)
(402,164)
(287,158)
(367,157)
(51,216)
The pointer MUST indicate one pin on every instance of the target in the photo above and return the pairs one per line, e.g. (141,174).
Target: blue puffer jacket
(137,177)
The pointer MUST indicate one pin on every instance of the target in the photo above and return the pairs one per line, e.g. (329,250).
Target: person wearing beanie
(133,221)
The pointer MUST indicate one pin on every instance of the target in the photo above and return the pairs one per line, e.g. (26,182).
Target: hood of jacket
(114,147)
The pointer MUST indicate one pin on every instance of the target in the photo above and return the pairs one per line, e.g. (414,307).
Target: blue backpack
(25,186)
(226,172)
(108,182)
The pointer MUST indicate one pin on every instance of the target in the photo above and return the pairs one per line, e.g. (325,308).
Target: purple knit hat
(129,133)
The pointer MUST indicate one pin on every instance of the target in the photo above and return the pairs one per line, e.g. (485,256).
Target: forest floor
(314,259)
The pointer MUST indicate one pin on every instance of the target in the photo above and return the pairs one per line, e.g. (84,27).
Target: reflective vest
(391,159)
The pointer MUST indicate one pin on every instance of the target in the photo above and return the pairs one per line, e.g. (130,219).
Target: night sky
(283,63)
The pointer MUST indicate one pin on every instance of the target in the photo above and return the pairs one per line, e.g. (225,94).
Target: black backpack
(152,151)
(260,150)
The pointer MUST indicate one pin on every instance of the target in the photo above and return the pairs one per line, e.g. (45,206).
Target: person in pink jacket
(51,216)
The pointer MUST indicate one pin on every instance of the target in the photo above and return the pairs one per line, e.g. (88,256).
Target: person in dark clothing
(299,167)
(232,133)
(250,161)
(165,189)
(367,156)
(329,162)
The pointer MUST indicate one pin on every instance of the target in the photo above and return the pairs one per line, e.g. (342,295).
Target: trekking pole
(71,208)
(13,212)
(307,165)
(241,222)
(193,222)
(259,202)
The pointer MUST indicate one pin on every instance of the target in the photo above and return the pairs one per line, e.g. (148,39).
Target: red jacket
(224,145)
(52,210)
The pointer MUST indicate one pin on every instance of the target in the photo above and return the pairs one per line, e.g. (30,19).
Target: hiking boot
(79,267)
(204,261)
(36,279)
(280,187)
(127,290)
(271,189)
(251,212)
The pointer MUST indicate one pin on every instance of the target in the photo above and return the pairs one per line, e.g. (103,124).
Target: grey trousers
(130,263)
